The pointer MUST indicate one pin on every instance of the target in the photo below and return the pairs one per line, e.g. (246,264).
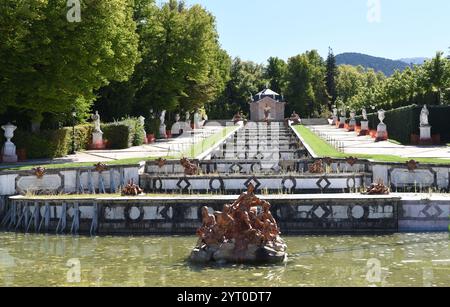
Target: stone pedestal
(9,154)
(176,128)
(425,136)
(382,134)
(364,128)
(97,139)
(352,125)
(342,122)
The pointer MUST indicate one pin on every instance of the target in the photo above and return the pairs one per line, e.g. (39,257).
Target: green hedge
(403,122)
(58,143)
(51,143)
(136,131)
(45,144)
(126,133)
(83,136)
(116,135)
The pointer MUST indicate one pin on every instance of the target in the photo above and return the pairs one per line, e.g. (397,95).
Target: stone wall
(182,215)
(425,177)
(275,184)
(72,180)
(296,214)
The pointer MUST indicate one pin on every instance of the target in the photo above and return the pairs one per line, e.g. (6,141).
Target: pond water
(394,260)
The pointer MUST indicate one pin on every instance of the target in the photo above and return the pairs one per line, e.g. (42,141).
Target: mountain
(414,61)
(387,66)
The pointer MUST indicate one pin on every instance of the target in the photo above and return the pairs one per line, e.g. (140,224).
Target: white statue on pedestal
(162,125)
(382,134)
(381,116)
(9,149)
(97,134)
(343,118)
(197,124)
(335,112)
(425,127)
(96,118)
(177,127)
(352,122)
(142,122)
(424,117)
(364,123)
(335,116)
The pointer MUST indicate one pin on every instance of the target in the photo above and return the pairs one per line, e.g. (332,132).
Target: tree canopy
(425,84)
(49,65)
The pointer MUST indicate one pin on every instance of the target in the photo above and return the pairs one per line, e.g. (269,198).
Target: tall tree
(349,82)
(437,76)
(246,79)
(331,78)
(183,64)
(275,73)
(49,65)
(305,84)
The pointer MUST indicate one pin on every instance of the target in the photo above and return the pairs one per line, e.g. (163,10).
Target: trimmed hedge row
(405,121)
(46,144)
(116,135)
(58,143)
(126,133)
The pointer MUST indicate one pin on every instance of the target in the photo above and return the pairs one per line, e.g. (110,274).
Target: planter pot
(169,134)
(151,138)
(436,139)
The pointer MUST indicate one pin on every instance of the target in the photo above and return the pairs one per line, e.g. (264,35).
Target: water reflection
(396,260)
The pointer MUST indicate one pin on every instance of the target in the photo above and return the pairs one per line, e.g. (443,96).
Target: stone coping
(62,169)
(200,197)
(260,176)
(177,198)
(310,150)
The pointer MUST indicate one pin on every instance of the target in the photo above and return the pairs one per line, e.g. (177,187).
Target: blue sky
(258,29)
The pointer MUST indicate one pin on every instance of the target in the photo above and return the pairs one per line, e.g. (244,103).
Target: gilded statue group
(241,224)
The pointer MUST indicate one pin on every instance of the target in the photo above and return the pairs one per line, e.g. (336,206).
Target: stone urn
(9,149)
(382,134)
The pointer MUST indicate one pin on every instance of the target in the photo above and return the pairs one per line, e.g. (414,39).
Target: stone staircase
(260,141)
(271,157)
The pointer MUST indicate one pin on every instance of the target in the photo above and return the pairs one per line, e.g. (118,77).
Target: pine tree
(331,78)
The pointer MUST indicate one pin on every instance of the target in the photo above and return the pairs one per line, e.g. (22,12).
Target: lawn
(202,146)
(323,149)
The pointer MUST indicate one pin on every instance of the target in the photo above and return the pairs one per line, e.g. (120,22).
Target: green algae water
(394,260)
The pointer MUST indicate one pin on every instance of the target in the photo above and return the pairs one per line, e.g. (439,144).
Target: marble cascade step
(273,143)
